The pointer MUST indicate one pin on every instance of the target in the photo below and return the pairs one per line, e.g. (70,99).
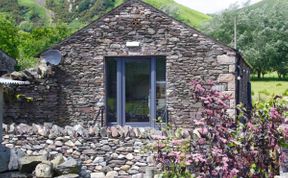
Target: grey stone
(44,170)
(151,31)
(24,129)
(114,132)
(111,174)
(79,130)
(71,166)
(138,176)
(68,176)
(117,162)
(78,143)
(57,160)
(17,75)
(106,148)
(5,128)
(43,131)
(98,159)
(15,155)
(89,152)
(115,46)
(12,128)
(69,143)
(129,156)
(98,175)
(49,142)
(28,163)
(56,131)
(141,164)
(103,132)
(70,131)
(4,158)
(59,143)
(125,167)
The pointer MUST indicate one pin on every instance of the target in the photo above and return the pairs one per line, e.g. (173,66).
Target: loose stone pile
(49,150)
(33,74)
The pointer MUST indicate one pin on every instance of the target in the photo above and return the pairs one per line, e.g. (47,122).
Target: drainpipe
(238,75)
(238,78)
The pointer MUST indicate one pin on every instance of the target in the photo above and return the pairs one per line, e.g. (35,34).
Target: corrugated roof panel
(5,81)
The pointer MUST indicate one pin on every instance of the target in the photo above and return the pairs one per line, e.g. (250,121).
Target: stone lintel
(225,59)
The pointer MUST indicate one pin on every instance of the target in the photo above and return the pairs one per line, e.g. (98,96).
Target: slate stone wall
(79,90)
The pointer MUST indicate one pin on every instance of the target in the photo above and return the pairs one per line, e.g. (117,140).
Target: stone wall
(77,89)
(120,151)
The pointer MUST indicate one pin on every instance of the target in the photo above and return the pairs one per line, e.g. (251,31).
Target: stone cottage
(7,64)
(129,67)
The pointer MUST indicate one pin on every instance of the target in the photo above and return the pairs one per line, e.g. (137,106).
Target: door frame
(120,91)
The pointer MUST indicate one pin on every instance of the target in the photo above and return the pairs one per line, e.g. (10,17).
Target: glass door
(135,95)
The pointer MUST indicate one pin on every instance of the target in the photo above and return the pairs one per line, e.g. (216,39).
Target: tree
(8,36)
(39,39)
(261,34)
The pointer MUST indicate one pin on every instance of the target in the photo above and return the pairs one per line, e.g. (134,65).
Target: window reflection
(111,90)
(161,89)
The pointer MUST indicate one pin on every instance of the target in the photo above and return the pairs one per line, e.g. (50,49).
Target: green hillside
(31,26)
(36,13)
(189,16)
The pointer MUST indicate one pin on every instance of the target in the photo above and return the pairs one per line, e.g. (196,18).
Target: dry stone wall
(110,152)
(76,91)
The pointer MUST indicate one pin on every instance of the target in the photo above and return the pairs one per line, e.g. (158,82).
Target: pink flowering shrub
(225,146)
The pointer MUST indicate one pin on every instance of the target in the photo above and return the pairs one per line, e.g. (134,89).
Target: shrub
(224,146)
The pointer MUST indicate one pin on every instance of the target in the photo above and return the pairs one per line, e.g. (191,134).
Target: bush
(224,146)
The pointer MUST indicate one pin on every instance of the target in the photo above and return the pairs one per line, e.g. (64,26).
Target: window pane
(111,81)
(137,87)
(161,89)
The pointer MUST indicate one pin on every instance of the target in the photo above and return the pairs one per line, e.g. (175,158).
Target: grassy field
(263,89)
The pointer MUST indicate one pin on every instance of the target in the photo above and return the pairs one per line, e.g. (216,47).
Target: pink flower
(160,145)
(177,142)
(201,141)
(209,112)
(198,158)
(203,131)
(274,114)
(188,162)
(283,128)
(216,151)
(199,122)
(223,140)
(158,137)
(233,173)
(250,126)
(199,88)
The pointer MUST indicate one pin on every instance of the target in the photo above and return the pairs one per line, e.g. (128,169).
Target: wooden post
(1,113)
